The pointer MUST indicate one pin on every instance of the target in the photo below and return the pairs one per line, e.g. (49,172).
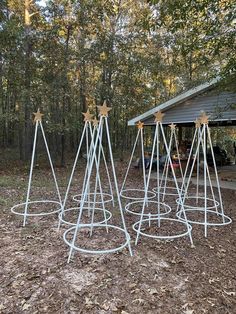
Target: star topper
(172,126)
(197,123)
(87,116)
(140,125)
(95,122)
(158,116)
(37,116)
(103,110)
(204,118)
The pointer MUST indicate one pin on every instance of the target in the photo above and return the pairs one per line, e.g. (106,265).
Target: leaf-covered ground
(162,276)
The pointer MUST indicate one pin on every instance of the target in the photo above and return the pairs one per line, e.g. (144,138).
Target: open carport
(219,103)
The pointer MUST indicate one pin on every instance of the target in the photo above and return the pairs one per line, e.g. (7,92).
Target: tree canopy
(65,56)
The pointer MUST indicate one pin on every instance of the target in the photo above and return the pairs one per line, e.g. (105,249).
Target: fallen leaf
(105,306)
(230,293)
(164,289)
(132,285)
(25,306)
(153,291)
(2,307)
(210,301)
(88,303)
(211,280)
(188,311)
(139,301)
(186,305)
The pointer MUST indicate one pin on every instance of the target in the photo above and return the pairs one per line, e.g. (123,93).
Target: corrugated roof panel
(218,105)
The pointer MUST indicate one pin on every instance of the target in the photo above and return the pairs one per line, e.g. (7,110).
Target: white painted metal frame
(91,197)
(26,204)
(159,218)
(212,207)
(108,197)
(74,231)
(124,193)
(164,189)
(163,206)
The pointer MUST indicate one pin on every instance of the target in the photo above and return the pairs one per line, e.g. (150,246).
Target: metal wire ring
(36,214)
(61,214)
(223,223)
(127,236)
(186,206)
(79,197)
(189,228)
(148,215)
(150,196)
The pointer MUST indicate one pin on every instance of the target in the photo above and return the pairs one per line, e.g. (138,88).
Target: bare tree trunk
(27,100)
(66,98)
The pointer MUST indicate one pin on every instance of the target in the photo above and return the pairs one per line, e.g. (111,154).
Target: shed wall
(219,106)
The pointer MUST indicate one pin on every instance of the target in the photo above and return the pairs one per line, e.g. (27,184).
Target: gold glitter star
(95,122)
(87,116)
(38,116)
(158,116)
(172,126)
(140,125)
(103,110)
(204,118)
(197,123)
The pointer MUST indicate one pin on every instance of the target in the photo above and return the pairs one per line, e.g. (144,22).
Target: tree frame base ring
(155,190)
(27,214)
(79,197)
(208,212)
(147,215)
(127,237)
(150,196)
(188,206)
(160,237)
(61,214)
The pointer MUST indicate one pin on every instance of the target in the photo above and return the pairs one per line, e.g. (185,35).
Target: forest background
(65,56)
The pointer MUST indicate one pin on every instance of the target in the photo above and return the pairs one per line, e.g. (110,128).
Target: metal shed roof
(186,107)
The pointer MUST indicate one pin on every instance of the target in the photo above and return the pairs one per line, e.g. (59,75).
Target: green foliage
(74,54)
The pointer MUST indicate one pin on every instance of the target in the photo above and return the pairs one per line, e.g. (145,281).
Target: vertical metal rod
(108,174)
(147,186)
(216,174)
(84,196)
(186,169)
(88,162)
(198,163)
(72,173)
(176,184)
(130,161)
(209,178)
(167,167)
(31,172)
(143,161)
(205,181)
(98,175)
(115,181)
(178,156)
(98,183)
(158,176)
(191,171)
(51,164)
(90,152)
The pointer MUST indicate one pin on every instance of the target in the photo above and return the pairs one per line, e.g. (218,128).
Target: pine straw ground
(161,277)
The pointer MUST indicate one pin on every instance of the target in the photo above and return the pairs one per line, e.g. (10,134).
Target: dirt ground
(162,276)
